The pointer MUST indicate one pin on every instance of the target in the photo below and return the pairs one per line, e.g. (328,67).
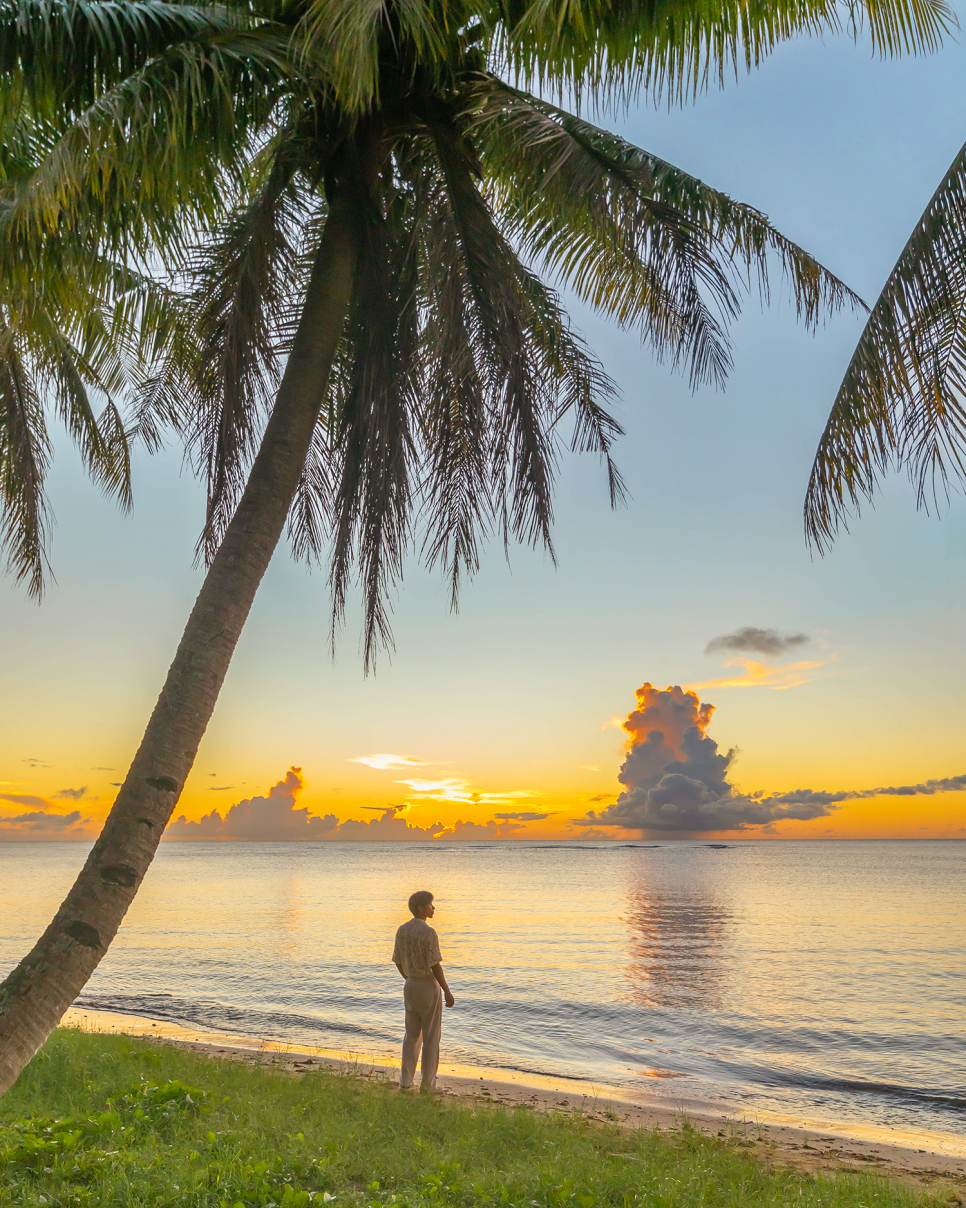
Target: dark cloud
(480,830)
(24,799)
(524,817)
(594,833)
(71,794)
(36,763)
(38,824)
(950,784)
(676,779)
(43,820)
(749,640)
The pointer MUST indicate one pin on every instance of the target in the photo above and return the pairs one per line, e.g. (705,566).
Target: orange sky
(417,792)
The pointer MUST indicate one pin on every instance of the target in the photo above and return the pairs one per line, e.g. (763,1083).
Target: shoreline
(920,1157)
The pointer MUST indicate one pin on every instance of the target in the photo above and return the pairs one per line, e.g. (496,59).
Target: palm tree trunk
(36,994)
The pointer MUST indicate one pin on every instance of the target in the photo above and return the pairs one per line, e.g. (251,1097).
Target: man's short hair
(419,899)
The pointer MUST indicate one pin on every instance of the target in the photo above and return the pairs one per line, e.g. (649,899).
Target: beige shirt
(416,949)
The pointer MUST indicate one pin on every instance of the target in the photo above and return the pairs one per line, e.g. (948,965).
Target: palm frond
(149,161)
(611,51)
(65,369)
(637,238)
(24,460)
(901,401)
(453,412)
(349,36)
(522,450)
(582,387)
(371,487)
(154,323)
(245,279)
(61,55)
(309,520)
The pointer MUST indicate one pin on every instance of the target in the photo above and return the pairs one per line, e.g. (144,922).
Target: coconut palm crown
(325,238)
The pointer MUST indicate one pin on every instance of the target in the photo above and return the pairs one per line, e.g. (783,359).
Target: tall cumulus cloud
(676,779)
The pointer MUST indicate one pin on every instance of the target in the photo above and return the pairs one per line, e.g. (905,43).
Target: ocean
(820,981)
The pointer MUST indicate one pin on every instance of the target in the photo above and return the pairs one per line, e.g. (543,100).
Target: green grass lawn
(110,1121)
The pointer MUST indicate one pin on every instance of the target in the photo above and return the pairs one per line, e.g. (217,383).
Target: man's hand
(441,979)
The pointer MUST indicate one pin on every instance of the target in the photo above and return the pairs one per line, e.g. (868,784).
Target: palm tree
(902,401)
(373,193)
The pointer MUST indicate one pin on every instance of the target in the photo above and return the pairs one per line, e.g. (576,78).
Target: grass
(112,1121)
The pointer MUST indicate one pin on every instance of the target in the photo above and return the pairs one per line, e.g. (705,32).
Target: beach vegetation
(112,1121)
(337,231)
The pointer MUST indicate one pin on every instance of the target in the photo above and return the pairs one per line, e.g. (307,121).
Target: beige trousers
(424,1022)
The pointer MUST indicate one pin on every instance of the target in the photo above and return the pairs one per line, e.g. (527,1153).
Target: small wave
(858,1086)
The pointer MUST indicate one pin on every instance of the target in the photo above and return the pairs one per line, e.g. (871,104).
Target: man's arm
(441,978)
(400,968)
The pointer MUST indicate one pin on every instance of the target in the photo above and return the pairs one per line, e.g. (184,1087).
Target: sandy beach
(923,1158)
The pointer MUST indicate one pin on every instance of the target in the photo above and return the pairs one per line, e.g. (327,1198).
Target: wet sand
(926,1159)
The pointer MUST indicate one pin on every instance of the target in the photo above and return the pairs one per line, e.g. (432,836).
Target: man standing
(416,955)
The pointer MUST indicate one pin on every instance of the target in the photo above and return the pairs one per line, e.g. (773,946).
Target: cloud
(38,824)
(676,779)
(949,784)
(24,799)
(385,762)
(768,644)
(268,818)
(757,675)
(442,790)
(36,763)
(477,830)
(595,834)
(749,640)
(44,821)
(461,791)
(277,817)
(524,817)
(389,825)
(71,794)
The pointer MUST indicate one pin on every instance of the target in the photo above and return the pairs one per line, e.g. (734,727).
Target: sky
(525,714)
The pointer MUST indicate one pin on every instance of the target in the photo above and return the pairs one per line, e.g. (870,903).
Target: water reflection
(287,918)
(676,942)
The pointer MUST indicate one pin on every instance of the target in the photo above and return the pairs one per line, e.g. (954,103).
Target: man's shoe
(431,1090)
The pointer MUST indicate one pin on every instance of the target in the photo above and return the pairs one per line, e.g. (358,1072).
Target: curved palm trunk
(36,994)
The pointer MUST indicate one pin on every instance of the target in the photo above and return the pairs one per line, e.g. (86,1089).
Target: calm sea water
(821,980)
